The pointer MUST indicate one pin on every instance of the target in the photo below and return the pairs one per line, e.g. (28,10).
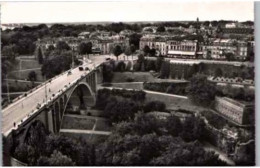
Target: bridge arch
(81,96)
(57,115)
(38,126)
(61,102)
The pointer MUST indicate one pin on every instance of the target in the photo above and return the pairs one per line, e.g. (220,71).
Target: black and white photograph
(128,83)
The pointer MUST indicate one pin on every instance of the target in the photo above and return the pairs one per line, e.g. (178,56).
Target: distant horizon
(124,11)
(128,22)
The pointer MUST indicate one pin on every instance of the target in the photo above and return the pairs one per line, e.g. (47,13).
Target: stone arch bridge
(70,91)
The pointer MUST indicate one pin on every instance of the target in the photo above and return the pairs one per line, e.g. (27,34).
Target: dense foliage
(56,63)
(145,141)
(44,149)
(104,96)
(201,91)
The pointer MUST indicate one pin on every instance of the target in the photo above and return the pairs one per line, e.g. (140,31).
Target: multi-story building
(217,48)
(238,111)
(182,49)
(172,48)
(154,42)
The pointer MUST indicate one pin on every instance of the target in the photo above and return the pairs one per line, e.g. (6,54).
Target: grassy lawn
(27,64)
(70,122)
(24,75)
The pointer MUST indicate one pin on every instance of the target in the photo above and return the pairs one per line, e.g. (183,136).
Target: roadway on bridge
(23,107)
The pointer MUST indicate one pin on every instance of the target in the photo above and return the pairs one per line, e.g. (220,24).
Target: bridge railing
(40,107)
(37,87)
(40,85)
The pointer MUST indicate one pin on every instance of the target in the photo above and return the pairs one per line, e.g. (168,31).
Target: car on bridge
(81,68)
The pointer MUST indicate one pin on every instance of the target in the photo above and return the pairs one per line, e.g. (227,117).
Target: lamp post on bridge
(46,92)
(7,85)
(72,64)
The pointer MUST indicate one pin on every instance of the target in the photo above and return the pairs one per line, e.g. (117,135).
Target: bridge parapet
(41,106)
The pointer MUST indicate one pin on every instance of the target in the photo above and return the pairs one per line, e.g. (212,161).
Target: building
(237,111)
(84,35)
(154,42)
(237,30)
(231,25)
(182,49)
(217,48)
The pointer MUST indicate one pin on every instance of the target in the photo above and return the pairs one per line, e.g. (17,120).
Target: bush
(106,95)
(129,79)
(214,119)
(120,67)
(201,91)
(154,106)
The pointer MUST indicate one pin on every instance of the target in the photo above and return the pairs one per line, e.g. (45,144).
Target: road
(22,108)
(77,131)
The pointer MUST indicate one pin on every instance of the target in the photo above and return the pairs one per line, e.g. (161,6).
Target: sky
(125,11)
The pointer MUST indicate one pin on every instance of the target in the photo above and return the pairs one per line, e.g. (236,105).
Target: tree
(62,45)
(179,153)
(154,106)
(150,65)
(123,110)
(89,48)
(193,70)
(32,76)
(146,50)
(134,40)
(10,51)
(57,63)
(193,129)
(128,51)
(201,91)
(158,63)
(56,159)
(161,28)
(120,66)
(51,47)
(82,48)
(165,70)
(229,56)
(117,51)
(173,125)
(108,74)
(40,56)
(152,52)
(218,72)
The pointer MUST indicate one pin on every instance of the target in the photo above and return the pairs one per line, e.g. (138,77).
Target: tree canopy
(201,91)
(117,50)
